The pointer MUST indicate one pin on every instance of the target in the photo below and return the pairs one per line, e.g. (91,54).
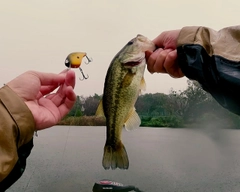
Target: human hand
(34,88)
(164,58)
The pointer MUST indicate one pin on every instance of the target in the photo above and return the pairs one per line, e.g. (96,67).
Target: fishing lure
(74,60)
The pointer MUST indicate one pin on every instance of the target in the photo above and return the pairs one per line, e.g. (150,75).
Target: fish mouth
(132,63)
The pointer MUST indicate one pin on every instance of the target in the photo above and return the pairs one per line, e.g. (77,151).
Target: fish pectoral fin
(133,120)
(143,84)
(127,80)
(127,58)
(99,111)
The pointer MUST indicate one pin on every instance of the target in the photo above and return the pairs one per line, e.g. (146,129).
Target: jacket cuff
(20,113)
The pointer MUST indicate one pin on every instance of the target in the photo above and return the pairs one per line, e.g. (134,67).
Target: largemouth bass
(123,83)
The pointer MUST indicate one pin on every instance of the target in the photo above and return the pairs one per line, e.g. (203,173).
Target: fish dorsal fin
(127,58)
(99,111)
(133,120)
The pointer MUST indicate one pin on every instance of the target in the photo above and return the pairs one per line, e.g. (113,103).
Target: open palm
(35,88)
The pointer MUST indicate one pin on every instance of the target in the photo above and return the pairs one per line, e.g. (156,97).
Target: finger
(171,65)
(157,59)
(167,39)
(151,60)
(159,65)
(50,114)
(50,96)
(70,78)
(58,97)
(48,89)
(68,103)
(159,40)
(148,54)
(50,78)
(54,113)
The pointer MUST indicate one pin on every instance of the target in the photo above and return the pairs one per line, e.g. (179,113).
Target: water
(183,160)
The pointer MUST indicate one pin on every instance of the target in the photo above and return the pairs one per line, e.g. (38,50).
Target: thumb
(147,54)
(159,40)
(167,39)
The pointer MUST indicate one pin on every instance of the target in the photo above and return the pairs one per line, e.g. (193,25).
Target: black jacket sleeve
(217,75)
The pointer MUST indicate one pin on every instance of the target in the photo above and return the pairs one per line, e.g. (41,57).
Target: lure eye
(67,62)
(78,57)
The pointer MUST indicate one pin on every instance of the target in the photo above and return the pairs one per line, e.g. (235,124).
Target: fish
(123,83)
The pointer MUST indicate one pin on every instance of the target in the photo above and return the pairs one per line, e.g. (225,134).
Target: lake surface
(68,158)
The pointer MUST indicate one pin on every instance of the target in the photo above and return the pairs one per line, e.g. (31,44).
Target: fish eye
(78,57)
(130,43)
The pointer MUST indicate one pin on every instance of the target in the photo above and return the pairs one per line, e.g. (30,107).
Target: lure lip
(71,65)
(74,66)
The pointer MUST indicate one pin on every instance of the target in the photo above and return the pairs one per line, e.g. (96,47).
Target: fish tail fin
(115,157)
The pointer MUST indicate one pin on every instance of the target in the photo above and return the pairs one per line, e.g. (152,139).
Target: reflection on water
(69,159)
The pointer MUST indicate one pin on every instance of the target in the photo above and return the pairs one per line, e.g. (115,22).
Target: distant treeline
(192,107)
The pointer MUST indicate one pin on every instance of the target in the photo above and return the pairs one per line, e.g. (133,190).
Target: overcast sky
(39,34)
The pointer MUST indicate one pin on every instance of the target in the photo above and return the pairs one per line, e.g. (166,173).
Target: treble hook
(89,60)
(84,77)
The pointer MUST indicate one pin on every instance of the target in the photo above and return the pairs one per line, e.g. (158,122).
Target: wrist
(20,113)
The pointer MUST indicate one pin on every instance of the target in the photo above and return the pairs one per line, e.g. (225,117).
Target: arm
(27,104)
(213,59)
(16,134)
(210,57)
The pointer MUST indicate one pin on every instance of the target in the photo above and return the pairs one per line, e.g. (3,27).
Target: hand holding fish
(164,58)
(34,88)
